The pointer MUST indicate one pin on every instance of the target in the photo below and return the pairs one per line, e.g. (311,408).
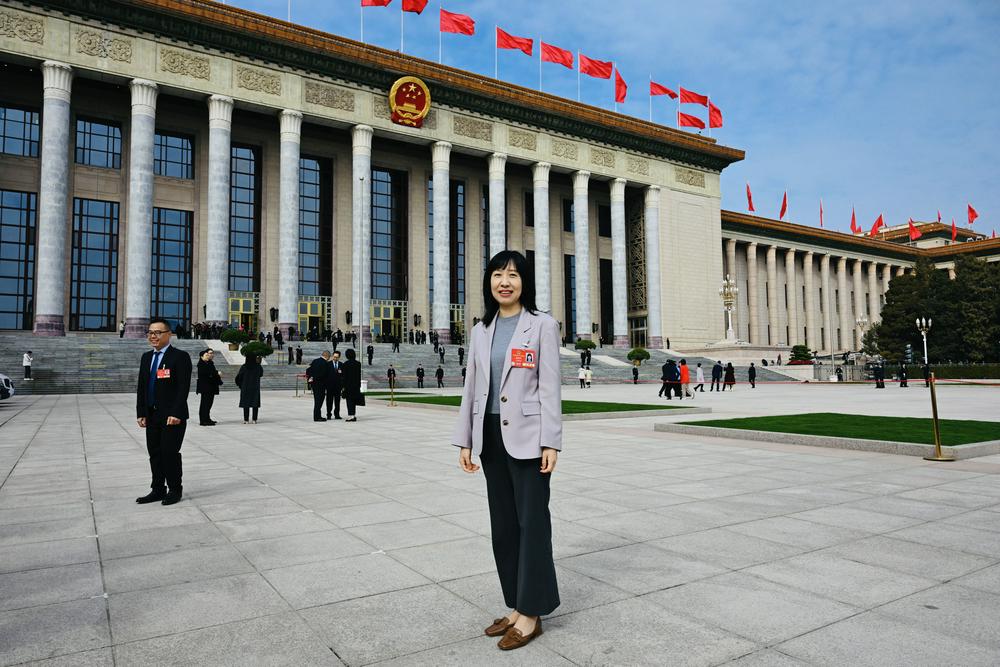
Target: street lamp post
(923,326)
(729,291)
(862,323)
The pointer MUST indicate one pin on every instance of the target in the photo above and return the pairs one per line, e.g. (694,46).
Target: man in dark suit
(420,376)
(439,374)
(461,356)
(717,377)
(316,376)
(370,351)
(161,408)
(334,386)
(391,376)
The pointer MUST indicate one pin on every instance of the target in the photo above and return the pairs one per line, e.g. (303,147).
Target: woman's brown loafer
(499,627)
(514,639)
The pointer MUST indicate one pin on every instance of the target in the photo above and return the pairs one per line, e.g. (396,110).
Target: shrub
(639,354)
(237,336)
(585,344)
(800,353)
(800,362)
(257,349)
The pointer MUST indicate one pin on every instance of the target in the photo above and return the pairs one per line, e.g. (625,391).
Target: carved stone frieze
(329,96)
(93,44)
(638,165)
(565,149)
(689,177)
(19,26)
(602,157)
(474,129)
(185,64)
(521,139)
(251,78)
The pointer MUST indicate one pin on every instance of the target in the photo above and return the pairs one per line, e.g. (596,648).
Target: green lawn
(384,393)
(568,407)
(897,429)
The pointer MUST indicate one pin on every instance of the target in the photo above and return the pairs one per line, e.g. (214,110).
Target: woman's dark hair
(350,354)
(523,268)
(204,352)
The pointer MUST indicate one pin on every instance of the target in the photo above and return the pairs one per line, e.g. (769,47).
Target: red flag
(657,89)
(784,206)
(820,212)
(598,69)
(621,88)
(689,97)
(750,207)
(879,223)
(507,41)
(714,115)
(939,216)
(854,223)
(375,3)
(914,232)
(553,54)
(687,120)
(994,235)
(415,6)
(954,230)
(972,214)
(458,23)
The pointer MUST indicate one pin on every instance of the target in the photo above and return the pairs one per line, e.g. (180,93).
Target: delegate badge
(523,358)
(162,373)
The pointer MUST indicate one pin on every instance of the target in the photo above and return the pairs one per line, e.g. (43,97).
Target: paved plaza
(302,543)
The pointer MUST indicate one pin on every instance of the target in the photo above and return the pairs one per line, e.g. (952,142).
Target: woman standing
(208,384)
(248,380)
(729,380)
(511,418)
(352,384)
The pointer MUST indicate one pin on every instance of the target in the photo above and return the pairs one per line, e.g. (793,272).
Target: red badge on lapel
(523,358)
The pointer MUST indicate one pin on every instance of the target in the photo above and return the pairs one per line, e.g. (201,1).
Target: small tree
(257,349)
(801,354)
(234,336)
(583,344)
(869,342)
(637,355)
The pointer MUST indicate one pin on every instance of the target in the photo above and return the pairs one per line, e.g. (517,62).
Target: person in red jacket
(686,379)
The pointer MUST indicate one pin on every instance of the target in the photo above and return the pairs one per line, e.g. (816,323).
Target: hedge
(950,371)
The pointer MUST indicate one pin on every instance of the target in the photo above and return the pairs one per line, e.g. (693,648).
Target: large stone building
(187,159)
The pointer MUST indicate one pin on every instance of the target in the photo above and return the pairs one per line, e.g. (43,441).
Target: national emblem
(410,101)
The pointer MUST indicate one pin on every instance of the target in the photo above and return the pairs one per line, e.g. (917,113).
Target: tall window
(567,215)
(457,238)
(569,280)
(172,156)
(604,220)
(17,258)
(430,241)
(607,302)
(529,209)
(94,283)
(315,228)
(244,219)
(388,239)
(170,296)
(98,143)
(18,131)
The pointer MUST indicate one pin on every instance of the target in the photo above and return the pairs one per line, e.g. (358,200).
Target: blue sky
(893,107)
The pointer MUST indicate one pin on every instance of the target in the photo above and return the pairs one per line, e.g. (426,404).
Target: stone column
(791,287)
(824,281)
(654,317)
(846,325)
(731,272)
(886,278)
(772,295)
(951,273)
(873,302)
(139,219)
(859,303)
(361,223)
(581,238)
(900,271)
(53,212)
(753,300)
(288,220)
(812,339)
(498,203)
(441,308)
(619,278)
(543,253)
(220,114)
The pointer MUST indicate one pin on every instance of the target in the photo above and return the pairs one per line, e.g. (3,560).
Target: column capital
(220,112)
(291,125)
(361,139)
(842,262)
(57,80)
(618,189)
(809,254)
(440,154)
(540,172)
(498,163)
(580,181)
(653,195)
(731,243)
(143,96)
(790,253)
(752,245)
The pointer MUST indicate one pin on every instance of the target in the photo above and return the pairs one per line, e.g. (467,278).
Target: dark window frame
(162,162)
(238,281)
(315,217)
(17,258)
(389,243)
(85,154)
(32,142)
(90,245)
(172,250)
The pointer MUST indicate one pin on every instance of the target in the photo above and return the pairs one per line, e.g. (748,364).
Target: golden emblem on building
(410,101)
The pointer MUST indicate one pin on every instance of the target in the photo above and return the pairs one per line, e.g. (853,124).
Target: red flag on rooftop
(687,120)
(375,3)
(714,115)
(939,215)
(973,214)
(854,223)
(415,6)
(879,224)
(457,23)
(507,41)
(621,88)
(784,206)
(820,212)
(914,232)
(994,235)
(750,207)
(690,97)
(954,230)
(657,89)
(553,54)
(598,69)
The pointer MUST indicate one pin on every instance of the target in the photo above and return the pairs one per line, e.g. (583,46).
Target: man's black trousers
(332,400)
(205,408)
(164,446)
(318,395)
(521,526)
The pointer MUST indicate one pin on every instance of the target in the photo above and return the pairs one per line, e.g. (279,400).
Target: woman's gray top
(503,331)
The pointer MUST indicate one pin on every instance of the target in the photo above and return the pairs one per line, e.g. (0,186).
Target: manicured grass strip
(568,407)
(897,429)
(381,393)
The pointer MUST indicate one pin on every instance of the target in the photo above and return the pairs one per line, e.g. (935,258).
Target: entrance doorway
(388,320)
(243,311)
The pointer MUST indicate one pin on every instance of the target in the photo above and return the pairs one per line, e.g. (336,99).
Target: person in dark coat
(439,374)
(248,380)
(673,375)
(441,353)
(370,352)
(391,376)
(716,377)
(927,375)
(208,384)
(752,376)
(635,375)
(729,377)
(879,373)
(316,376)
(291,355)
(278,338)
(395,343)
(664,387)
(420,376)
(298,355)
(334,386)
(461,356)
(352,385)
(902,376)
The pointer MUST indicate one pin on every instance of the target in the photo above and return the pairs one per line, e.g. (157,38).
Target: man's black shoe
(172,497)
(151,498)
(338,417)
(329,417)
(318,419)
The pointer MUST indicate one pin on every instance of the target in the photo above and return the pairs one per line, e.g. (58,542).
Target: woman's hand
(549,457)
(465,460)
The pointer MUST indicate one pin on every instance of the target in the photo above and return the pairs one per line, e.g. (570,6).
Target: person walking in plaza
(209,381)
(635,375)
(439,374)
(441,353)
(370,352)
(248,380)
(664,386)
(581,375)
(391,376)
(317,376)
(510,417)
(298,355)
(278,338)
(121,329)
(673,380)
(420,376)
(686,379)
(752,376)
(730,377)
(902,376)
(26,362)
(461,356)
(161,408)
(334,386)
(699,377)
(927,375)
(588,376)
(291,355)
(352,385)
(716,377)
(395,343)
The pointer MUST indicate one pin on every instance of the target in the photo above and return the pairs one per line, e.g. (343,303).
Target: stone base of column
(136,327)
(655,343)
(621,342)
(283,328)
(444,336)
(49,325)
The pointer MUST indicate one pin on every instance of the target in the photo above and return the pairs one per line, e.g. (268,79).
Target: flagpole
(401,27)
(496,54)
(362,25)
(439,33)
(677,116)
(577,76)
(614,85)
(539,64)
(709,98)
(650,99)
